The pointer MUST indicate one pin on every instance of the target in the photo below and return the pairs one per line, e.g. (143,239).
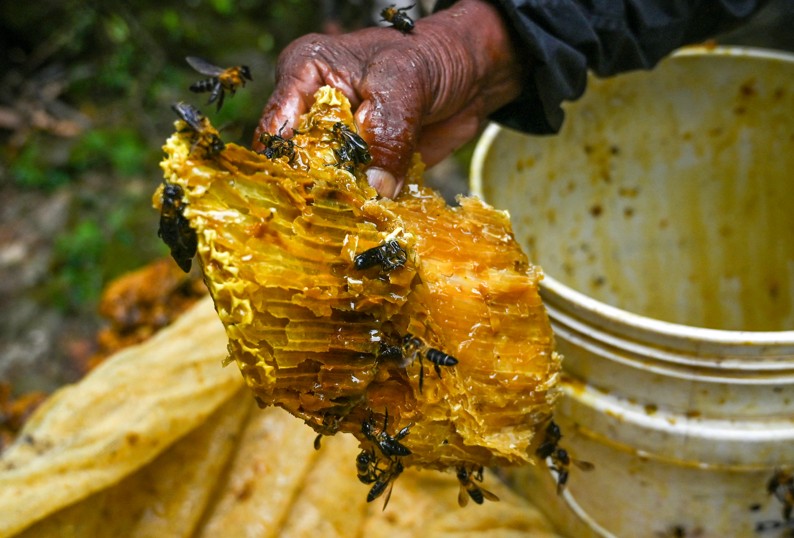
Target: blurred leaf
(171,23)
(31,170)
(224,7)
(121,149)
(116,28)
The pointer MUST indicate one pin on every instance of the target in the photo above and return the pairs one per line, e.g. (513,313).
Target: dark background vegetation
(85,95)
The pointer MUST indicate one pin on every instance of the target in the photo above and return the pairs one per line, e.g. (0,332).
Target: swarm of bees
(174,229)
(381,470)
(560,461)
(221,80)
(398,18)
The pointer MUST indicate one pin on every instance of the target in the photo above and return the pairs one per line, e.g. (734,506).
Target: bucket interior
(669,193)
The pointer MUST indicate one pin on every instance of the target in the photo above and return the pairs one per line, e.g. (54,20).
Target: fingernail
(383,181)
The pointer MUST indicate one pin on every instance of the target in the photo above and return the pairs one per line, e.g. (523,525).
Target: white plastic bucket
(663,217)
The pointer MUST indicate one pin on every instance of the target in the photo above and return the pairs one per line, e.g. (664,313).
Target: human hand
(429,90)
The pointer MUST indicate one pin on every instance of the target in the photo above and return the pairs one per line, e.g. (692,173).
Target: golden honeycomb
(278,244)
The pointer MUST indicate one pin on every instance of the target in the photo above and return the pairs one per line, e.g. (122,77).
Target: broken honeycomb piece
(312,333)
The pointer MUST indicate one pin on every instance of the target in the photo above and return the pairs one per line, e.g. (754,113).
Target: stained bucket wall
(663,217)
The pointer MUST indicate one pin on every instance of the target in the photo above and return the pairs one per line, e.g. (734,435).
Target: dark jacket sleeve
(563,39)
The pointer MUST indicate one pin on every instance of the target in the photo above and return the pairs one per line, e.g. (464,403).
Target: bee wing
(203,66)
(488,495)
(388,494)
(584,465)
(189,114)
(463,496)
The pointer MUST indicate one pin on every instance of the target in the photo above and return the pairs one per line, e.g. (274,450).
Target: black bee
(204,134)
(277,146)
(390,255)
(388,445)
(367,466)
(175,229)
(560,460)
(385,479)
(353,150)
(329,426)
(397,17)
(221,80)
(468,488)
(389,352)
(413,347)
(370,470)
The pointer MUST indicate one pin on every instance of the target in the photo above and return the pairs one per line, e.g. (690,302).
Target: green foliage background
(118,67)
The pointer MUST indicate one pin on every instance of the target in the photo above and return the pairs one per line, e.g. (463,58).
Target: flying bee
(221,80)
(175,229)
(390,255)
(398,18)
(353,150)
(204,134)
(560,459)
(277,146)
(413,347)
(388,445)
(466,477)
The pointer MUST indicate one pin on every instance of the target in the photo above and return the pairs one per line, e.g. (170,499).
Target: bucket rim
(613,316)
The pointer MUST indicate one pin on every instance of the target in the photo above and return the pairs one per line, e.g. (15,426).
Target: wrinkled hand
(428,91)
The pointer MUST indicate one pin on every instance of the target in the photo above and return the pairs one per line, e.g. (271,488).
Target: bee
(204,134)
(413,347)
(277,146)
(389,352)
(175,229)
(353,150)
(388,445)
(390,255)
(329,426)
(381,472)
(221,80)
(560,460)
(384,480)
(397,17)
(371,471)
(468,488)
(367,466)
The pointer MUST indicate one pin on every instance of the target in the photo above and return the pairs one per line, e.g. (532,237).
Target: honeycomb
(292,248)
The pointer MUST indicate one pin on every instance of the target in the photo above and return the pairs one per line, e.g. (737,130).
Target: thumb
(391,134)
